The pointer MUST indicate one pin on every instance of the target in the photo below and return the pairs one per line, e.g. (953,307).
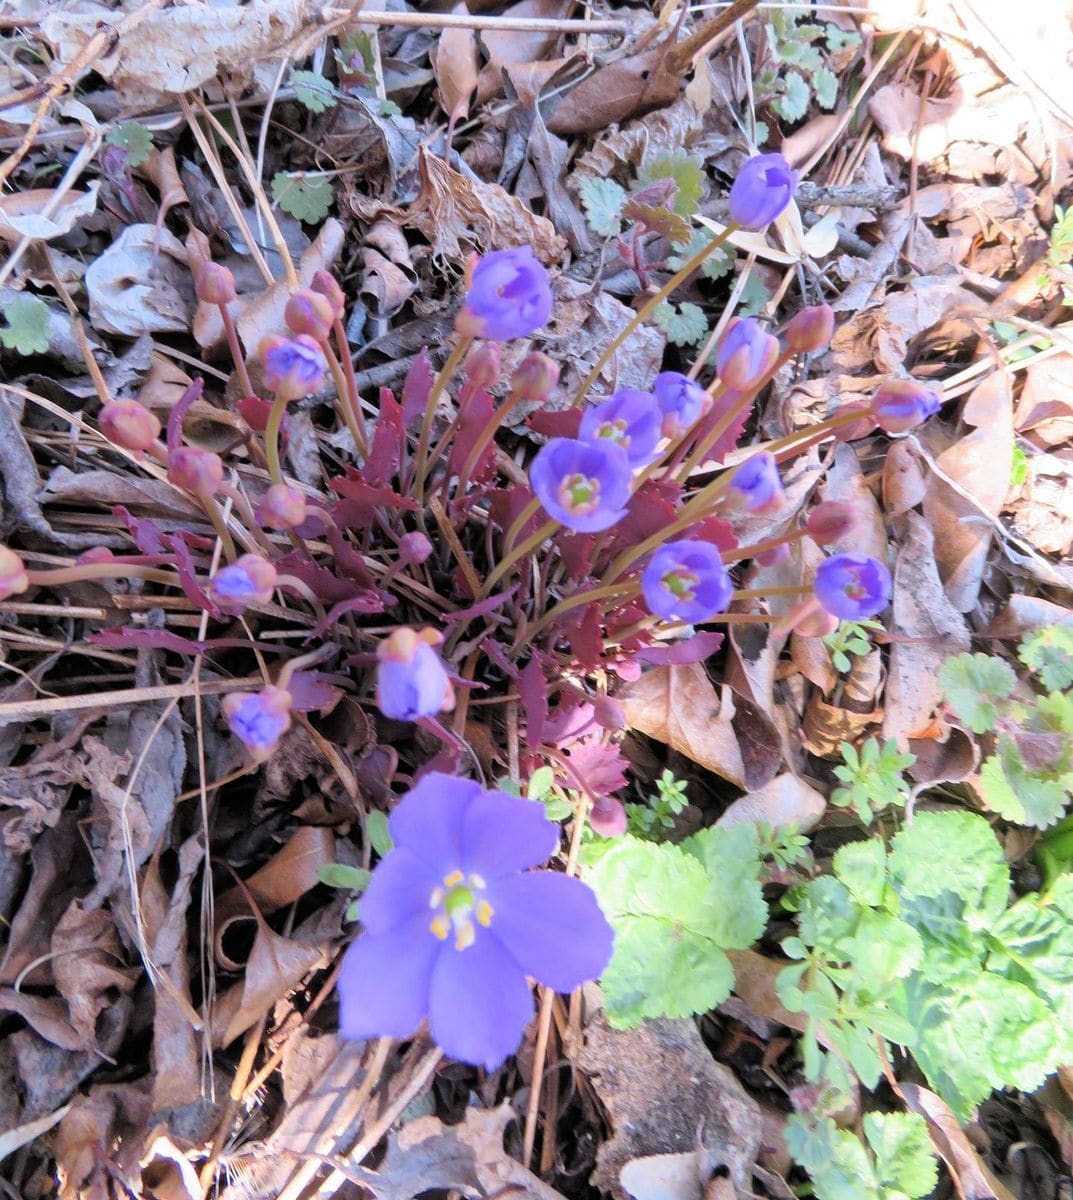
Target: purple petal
(479,1004)
(399,890)
(428,819)
(385,981)
(553,928)
(502,834)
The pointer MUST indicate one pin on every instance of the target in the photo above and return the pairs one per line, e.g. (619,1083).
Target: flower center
(681,583)
(456,905)
(579,494)
(614,431)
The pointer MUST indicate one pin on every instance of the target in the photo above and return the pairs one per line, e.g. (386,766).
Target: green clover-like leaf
(305,197)
(313,91)
(27,325)
(603,200)
(133,138)
(973,685)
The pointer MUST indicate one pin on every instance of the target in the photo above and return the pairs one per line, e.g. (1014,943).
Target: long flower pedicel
(628,417)
(411,680)
(853,587)
(584,485)
(762,191)
(509,296)
(686,581)
(455,921)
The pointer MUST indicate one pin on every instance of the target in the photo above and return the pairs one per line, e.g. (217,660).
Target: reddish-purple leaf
(533,689)
(184,566)
(690,650)
(564,423)
(310,691)
(584,637)
(416,389)
(474,418)
(385,454)
(600,764)
(147,534)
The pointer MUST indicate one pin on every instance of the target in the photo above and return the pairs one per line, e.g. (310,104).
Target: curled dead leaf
(23,214)
(454,62)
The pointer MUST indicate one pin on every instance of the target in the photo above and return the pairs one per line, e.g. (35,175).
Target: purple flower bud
(509,296)
(746,353)
(411,680)
(811,329)
(631,419)
(13,576)
(282,507)
(214,283)
(608,817)
(324,284)
(483,365)
(248,580)
(686,581)
(584,485)
(258,719)
(682,402)
(534,377)
(198,471)
(902,404)
(756,485)
(853,587)
(310,313)
(414,548)
(831,520)
(130,425)
(763,189)
(773,557)
(292,367)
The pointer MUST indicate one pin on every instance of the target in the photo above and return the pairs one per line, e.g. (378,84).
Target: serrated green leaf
(133,138)
(27,325)
(836,1160)
(793,103)
(973,684)
(378,833)
(717,265)
(903,1152)
(340,875)
(838,38)
(684,324)
(686,171)
(826,913)
(754,296)
(603,200)
(1018,795)
(313,91)
(862,867)
(1049,653)
(953,952)
(305,197)
(825,85)
(734,895)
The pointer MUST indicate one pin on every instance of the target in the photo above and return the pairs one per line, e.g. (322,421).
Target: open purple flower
(762,191)
(756,485)
(509,296)
(902,404)
(293,367)
(686,581)
(853,587)
(455,922)
(630,418)
(746,353)
(584,485)
(682,402)
(250,579)
(258,719)
(411,680)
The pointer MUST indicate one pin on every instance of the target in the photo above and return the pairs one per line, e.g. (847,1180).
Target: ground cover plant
(533,596)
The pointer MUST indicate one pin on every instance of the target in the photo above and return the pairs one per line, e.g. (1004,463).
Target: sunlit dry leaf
(507,47)
(786,800)
(665,1177)
(845,482)
(1043,512)
(904,481)
(141,284)
(623,88)
(1045,407)
(12,1139)
(454,61)
(88,965)
(22,213)
(275,966)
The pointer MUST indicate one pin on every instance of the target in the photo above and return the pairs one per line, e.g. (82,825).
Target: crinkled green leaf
(827,912)
(135,139)
(836,1160)
(1049,653)
(734,896)
(1019,796)
(717,265)
(603,200)
(904,1158)
(305,197)
(686,171)
(862,867)
(313,91)
(972,683)
(953,951)
(754,296)
(825,85)
(684,324)
(793,103)
(27,325)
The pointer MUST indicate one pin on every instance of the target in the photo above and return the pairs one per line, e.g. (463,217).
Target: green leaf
(862,867)
(825,85)
(135,139)
(793,103)
(905,1160)
(305,197)
(972,684)
(953,952)
(734,896)
(838,38)
(27,325)
(603,200)
(1018,467)
(1049,653)
(1018,795)
(684,325)
(540,783)
(717,265)
(378,833)
(686,171)
(339,875)
(313,91)
(754,296)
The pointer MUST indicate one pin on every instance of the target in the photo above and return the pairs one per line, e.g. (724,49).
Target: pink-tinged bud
(198,471)
(254,411)
(129,425)
(13,576)
(608,817)
(248,580)
(774,556)
(325,284)
(214,284)
(608,713)
(853,430)
(811,329)
(258,719)
(902,404)
(483,365)
(534,377)
(95,556)
(830,521)
(282,507)
(411,680)
(293,367)
(745,355)
(309,312)
(414,548)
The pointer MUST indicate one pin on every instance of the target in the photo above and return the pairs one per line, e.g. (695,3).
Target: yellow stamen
(484,913)
(464,935)
(441,927)
(453,880)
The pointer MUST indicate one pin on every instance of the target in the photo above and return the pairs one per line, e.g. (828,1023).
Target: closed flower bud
(258,719)
(902,404)
(198,471)
(13,576)
(860,428)
(325,284)
(830,521)
(309,312)
(746,353)
(483,365)
(810,620)
(811,329)
(293,367)
(214,284)
(414,548)
(534,377)
(756,485)
(248,580)
(608,817)
(282,507)
(96,555)
(130,425)
(411,680)
(682,402)
(762,191)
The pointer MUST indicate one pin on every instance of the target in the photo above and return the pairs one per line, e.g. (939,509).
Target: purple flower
(630,418)
(411,680)
(852,587)
(763,189)
(293,367)
(756,485)
(681,401)
(902,404)
(258,719)
(455,922)
(509,296)
(686,581)
(584,485)
(746,353)
(250,579)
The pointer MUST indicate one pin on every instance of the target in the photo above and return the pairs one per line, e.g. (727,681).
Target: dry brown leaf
(454,62)
(507,48)
(625,88)
(786,800)
(141,284)
(389,279)
(275,966)
(980,464)
(1024,614)
(754,984)
(845,482)
(1045,407)
(87,965)
(106,487)
(667,1177)
(12,1139)
(904,479)
(1043,512)
(22,214)
(662,132)
(827,726)
(47,1017)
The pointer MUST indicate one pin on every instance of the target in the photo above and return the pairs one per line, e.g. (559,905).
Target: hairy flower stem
(275,419)
(517,554)
(421,463)
(348,401)
(353,398)
(649,307)
(235,347)
(95,571)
